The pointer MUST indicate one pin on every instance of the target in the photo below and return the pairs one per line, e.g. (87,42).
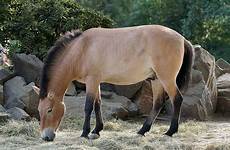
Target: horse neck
(61,77)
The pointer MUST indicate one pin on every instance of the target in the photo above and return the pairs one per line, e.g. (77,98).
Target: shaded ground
(118,134)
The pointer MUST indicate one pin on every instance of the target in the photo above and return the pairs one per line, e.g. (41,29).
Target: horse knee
(89,104)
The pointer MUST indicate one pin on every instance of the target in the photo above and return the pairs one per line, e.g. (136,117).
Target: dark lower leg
(88,110)
(176,114)
(151,118)
(99,120)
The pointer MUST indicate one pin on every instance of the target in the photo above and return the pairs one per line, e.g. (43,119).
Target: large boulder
(31,100)
(150,91)
(1,95)
(28,66)
(13,91)
(18,114)
(128,91)
(116,106)
(222,67)
(18,94)
(71,90)
(5,75)
(223,85)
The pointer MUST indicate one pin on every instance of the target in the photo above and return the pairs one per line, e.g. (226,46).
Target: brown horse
(119,56)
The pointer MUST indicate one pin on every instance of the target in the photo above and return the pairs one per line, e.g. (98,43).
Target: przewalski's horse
(119,56)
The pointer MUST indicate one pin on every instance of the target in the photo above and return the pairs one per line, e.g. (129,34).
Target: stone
(13,91)
(117,106)
(28,66)
(223,99)
(222,67)
(201,97)
(1,95)
(5,75)
(18,94)
(31,100)
(18,114)
(128,91)
(3,115)
(144,99)
(71,91)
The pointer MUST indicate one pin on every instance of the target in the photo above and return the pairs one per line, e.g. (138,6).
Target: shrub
(37,24)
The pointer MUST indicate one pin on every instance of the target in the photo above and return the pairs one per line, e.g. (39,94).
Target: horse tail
(184,75)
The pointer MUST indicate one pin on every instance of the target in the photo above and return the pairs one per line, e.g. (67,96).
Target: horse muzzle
(48,134)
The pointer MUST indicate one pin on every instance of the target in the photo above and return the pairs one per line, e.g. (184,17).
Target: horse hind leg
(158,101)
(176,103)
(176,100)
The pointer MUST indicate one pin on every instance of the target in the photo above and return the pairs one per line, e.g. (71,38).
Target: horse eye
(49,110)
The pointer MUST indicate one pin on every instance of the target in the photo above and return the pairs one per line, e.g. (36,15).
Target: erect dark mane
(53,54)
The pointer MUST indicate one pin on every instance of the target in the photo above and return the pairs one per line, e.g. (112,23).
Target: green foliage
(38,23)
(203,22)
(14,46)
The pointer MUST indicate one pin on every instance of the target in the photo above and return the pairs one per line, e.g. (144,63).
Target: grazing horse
(119,56)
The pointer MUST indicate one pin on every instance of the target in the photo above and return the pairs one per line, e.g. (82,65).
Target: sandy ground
(192,135)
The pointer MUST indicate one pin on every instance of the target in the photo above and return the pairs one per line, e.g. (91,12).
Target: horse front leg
(99,121)
(91,95)
(88,110)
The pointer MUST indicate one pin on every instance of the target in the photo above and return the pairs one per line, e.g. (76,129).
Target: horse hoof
(84,136)
(140,135)
(168,134)
(94,136)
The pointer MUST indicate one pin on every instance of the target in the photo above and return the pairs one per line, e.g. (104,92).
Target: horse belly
(128,74)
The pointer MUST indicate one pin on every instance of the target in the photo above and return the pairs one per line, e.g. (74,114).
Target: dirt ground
(192,135)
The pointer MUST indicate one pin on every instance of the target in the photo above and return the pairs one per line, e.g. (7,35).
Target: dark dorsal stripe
(53,54)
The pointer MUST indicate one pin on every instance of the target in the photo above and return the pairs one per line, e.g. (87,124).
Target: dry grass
(118,135)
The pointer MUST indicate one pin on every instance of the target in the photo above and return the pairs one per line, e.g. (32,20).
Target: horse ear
(50,95)
(36,89)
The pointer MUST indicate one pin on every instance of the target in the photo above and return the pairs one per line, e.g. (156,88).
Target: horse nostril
(48,135)
(46,138)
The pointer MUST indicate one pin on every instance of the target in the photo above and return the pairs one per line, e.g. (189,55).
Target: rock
(1,95)
(18,114)
(194,103)
(222,67)
(117,106)
(201,97)
(3,115)
(223,100)
(13,91)
(144,99)
(128,91)
(18,94)
(5,75)
(71,91)
(31,100)
(106,94)
(79,86)
(28,66)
